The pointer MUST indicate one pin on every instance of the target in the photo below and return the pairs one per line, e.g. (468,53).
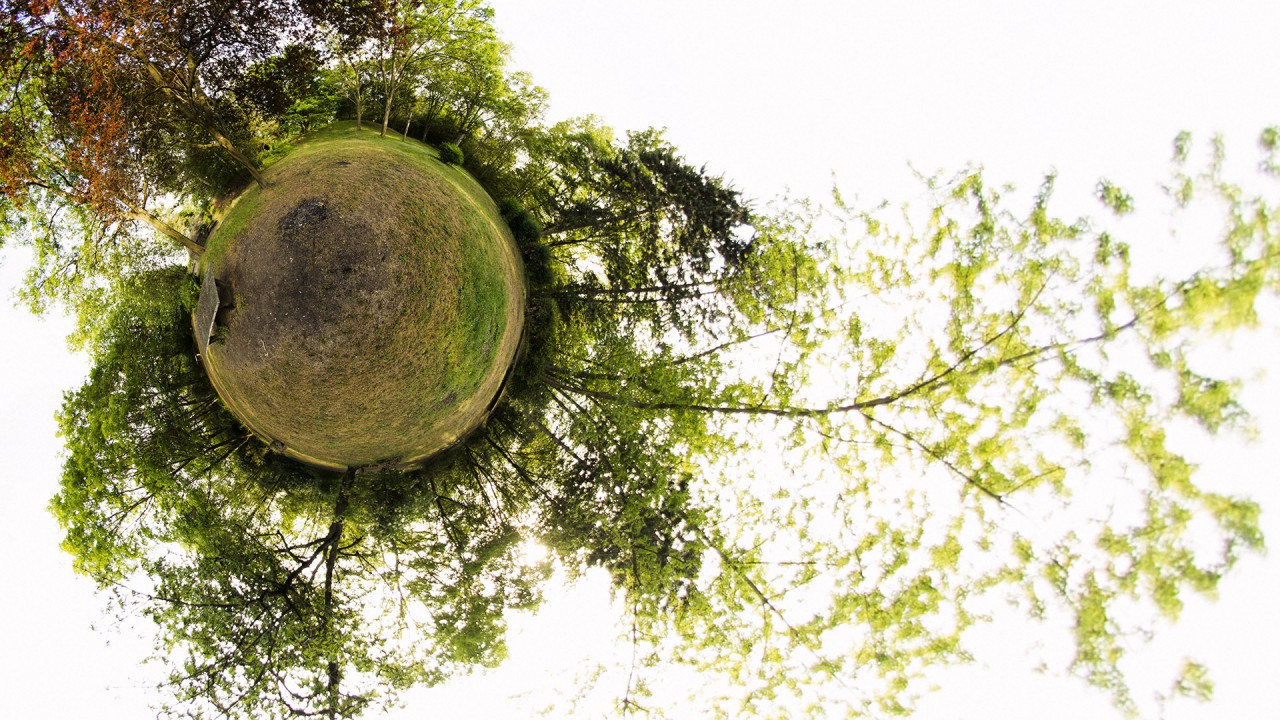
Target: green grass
(381,333)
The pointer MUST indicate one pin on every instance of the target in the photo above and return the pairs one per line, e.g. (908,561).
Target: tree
(348,29)
(1008,356)
(637,230)
(77,182)
(415,34)
(288,86)
(108,123)
(676,336)
(473,100)
(198,63)
(67,139)
(186,60)
(478,91)
(276,592)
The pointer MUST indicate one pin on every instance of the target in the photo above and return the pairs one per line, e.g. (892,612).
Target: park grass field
(378,299)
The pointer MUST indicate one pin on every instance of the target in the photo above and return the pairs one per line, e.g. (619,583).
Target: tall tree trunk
(406,127)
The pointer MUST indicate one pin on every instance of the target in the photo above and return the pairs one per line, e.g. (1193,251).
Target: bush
(450,154)
(525,229)
(509,207)
(269,155)
(437,130)
(213,168)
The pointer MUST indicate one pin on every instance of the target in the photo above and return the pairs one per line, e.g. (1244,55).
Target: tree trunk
(386,115)
(240,157)
(359,106)
(406,127)
(138,213)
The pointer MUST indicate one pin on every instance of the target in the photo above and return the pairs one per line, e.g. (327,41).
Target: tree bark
(138,213)
(359,106)
(240,157)
(386,115)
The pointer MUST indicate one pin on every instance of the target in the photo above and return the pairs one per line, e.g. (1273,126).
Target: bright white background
(776,96)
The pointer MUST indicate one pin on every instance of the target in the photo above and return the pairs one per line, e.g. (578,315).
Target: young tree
(414,35)
(349,29)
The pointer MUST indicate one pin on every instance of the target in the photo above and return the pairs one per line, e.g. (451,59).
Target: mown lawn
(379,301)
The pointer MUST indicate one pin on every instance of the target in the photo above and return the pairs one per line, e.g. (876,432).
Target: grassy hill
(378,302)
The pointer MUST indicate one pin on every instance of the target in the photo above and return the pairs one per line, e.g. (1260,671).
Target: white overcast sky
(774,95)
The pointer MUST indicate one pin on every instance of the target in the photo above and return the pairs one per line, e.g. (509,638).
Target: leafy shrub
(509,207)
(211,167)
(450,154)
(313,111)
(438,129)
(525,229)
(274,152)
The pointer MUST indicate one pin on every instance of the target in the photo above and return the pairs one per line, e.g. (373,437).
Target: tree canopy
(812,443)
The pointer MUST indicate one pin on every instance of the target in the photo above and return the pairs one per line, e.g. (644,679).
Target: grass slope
(378,302)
